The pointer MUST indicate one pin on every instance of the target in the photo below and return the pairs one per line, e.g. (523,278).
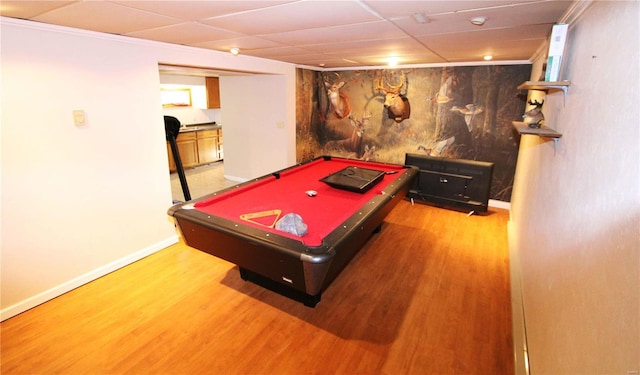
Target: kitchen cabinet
(207,141)
(212,85)
(197,147)
(172,161)
(188,149)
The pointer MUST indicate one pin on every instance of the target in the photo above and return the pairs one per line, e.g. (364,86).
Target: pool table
(238,224)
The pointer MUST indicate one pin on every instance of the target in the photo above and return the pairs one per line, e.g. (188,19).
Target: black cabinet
(453,183)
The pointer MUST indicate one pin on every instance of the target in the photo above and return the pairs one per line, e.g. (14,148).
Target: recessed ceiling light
(393,60)
(488,57)
(235,51)
(478,21)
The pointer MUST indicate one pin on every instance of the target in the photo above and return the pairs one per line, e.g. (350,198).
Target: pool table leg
(287,291)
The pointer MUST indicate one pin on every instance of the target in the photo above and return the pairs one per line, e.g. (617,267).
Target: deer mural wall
(461,102)
(396,103)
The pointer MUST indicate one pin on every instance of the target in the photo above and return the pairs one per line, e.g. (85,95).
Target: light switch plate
(79,118)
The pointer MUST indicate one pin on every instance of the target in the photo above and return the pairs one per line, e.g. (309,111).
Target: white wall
(251,125)
(575,219)
(78,202)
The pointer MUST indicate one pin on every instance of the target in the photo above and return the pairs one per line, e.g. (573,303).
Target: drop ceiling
(319,33)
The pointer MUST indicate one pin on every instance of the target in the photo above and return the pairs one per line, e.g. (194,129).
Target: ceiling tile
(198,10)
(378,30)
(394,9)
(277,51)
(397,45)
(479,44)
(104,16)
(496,19)
(502,51)
(301,15)
(484,37)
(244,43)
(184,33)
(23,9)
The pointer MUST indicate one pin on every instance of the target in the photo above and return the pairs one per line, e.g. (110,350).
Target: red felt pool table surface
(322,213)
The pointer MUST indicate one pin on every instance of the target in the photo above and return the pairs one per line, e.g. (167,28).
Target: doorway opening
(199,141)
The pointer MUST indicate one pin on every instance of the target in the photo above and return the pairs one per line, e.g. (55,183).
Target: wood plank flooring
(427,295)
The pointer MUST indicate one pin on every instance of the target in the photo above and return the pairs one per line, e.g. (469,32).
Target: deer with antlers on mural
(395,102)
(339,101)
(354,142)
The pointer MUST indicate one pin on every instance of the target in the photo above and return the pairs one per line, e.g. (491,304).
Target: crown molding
(73,31)
(575,11)
(410,66)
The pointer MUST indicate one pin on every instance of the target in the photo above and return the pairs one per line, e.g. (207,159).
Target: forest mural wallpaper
(461,112)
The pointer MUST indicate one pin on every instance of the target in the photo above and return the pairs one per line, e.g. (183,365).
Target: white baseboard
(499,204)
(67,286)
(520,347)
(234,178)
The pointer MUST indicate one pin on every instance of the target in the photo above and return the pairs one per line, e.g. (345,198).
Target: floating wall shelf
(543,131)
(546,86)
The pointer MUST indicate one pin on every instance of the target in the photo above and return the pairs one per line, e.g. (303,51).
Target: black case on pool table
(355,179)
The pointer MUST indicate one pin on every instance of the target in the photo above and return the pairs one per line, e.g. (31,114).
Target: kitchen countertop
(202,126)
